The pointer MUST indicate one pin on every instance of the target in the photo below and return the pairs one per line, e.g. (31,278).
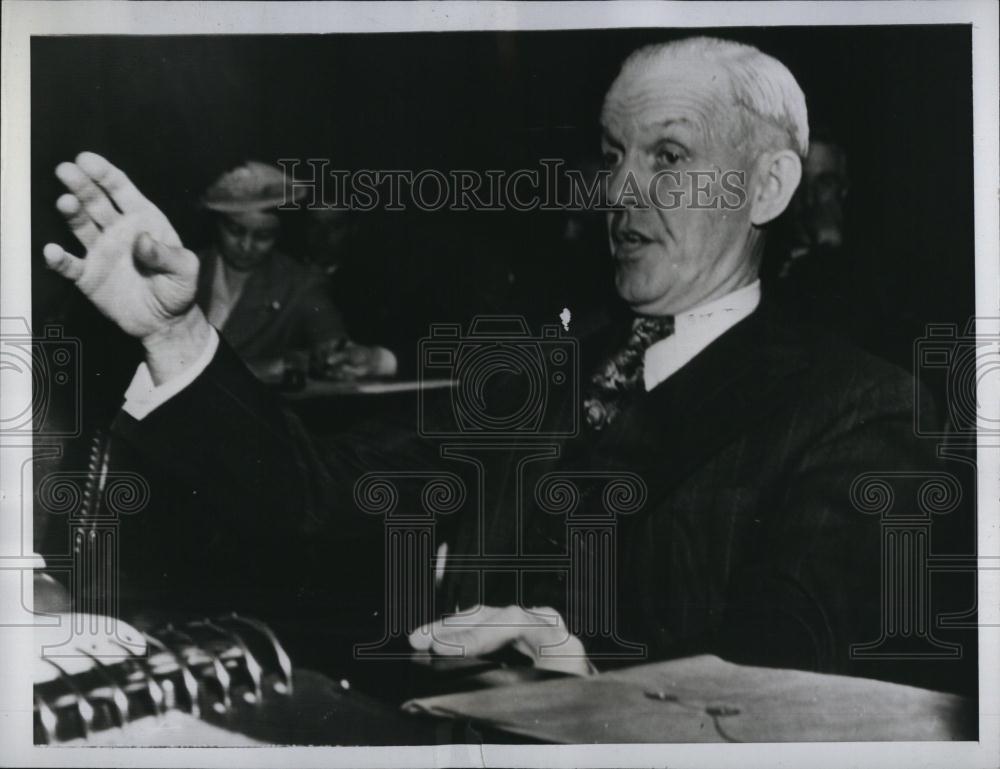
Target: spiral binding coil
(214,669)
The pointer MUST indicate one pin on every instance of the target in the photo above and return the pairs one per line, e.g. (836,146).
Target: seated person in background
(808,267)
(822,268)
(818,205)
(270,308)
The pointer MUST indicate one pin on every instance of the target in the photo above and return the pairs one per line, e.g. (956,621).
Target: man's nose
(615,185)
(624,189)
(246,243)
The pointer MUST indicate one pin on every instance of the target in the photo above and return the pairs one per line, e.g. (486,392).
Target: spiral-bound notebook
(203,681)
(225,681)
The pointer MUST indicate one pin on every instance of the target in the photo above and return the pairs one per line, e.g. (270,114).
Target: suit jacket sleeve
(239,483)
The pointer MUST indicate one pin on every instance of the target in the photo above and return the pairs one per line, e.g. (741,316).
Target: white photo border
(22,20)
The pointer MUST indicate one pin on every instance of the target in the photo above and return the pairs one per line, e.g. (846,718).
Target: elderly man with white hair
(746,432)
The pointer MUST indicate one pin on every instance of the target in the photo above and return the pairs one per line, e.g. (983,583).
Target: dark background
(174,112)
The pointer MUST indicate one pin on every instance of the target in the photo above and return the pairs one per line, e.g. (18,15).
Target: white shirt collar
(695,330)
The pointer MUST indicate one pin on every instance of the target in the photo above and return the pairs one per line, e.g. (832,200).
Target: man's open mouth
(628,240)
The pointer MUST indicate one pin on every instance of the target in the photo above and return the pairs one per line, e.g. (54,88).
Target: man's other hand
(135,271)
(539,634)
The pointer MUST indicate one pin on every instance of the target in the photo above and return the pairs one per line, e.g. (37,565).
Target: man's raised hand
(135,269)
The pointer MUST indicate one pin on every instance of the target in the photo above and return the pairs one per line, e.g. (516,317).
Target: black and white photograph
(528,384)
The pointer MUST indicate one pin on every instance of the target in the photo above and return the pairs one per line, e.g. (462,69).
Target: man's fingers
(62,262)
(114,182)
(494,629)
(470,641)
(476,641)
(79,222)
(421,638)
(94,200)
(156,257)
(528,631)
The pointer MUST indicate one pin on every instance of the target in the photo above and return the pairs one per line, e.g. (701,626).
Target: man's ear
(778,175)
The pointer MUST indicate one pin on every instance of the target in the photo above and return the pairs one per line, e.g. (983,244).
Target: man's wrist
(144,396)
(172,349)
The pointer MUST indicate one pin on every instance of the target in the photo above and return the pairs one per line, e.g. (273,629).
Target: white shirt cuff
(142,396)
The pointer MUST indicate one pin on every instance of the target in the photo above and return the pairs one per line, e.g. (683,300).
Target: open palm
(135,270)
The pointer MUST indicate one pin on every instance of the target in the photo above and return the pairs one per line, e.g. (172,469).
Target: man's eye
(610,158)
(668,157)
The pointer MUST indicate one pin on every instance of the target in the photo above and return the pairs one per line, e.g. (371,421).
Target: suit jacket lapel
(252,310)
(736,381)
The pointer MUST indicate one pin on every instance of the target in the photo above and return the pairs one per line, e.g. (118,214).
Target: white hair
(771,103)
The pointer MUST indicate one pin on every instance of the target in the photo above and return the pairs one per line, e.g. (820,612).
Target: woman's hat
(253,186)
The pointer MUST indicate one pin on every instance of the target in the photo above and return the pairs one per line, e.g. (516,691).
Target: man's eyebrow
(681,130)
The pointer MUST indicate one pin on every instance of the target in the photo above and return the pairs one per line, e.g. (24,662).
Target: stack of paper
(704,699)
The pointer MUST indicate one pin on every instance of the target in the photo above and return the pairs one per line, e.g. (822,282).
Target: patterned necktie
(620,376)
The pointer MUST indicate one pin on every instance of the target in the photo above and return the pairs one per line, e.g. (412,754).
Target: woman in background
(272,310)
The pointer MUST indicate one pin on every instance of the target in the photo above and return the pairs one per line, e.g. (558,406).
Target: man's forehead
(666,89)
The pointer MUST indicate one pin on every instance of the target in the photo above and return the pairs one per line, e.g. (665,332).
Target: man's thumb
(153,255)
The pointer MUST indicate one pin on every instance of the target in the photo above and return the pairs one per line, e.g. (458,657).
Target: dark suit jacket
(748,543)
